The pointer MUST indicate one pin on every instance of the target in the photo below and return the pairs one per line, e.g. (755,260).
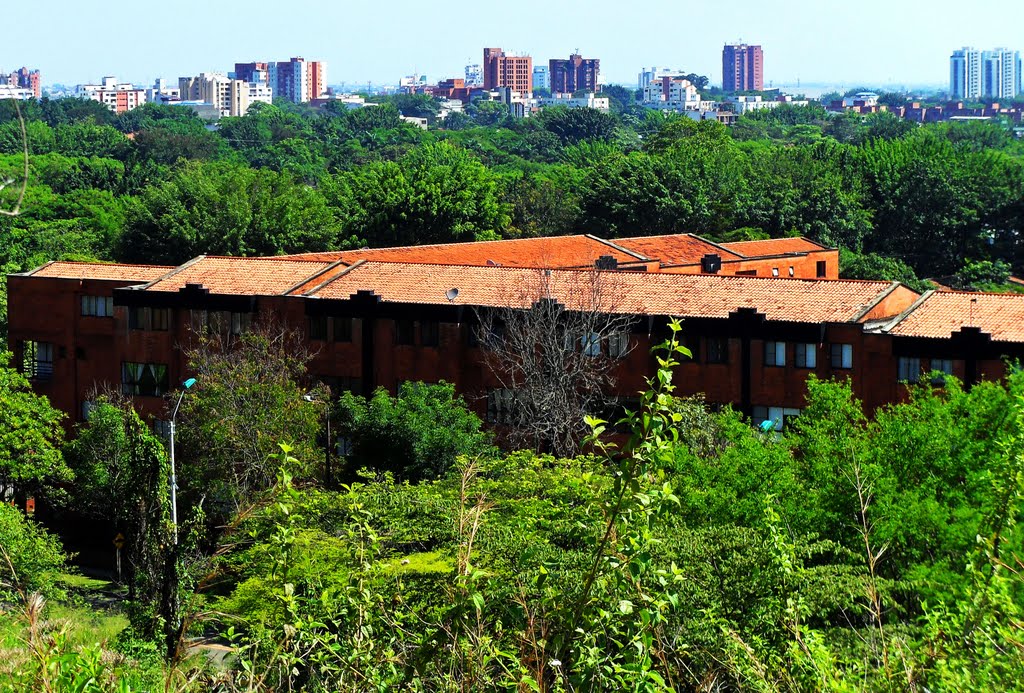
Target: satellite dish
(451,294)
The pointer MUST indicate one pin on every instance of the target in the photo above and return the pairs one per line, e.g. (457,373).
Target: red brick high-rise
(27,79)
(575,74)
(503,70)
(742,68)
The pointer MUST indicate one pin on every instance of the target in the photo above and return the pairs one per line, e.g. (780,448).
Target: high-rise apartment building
(253,73)
(23,79)
(507,70)
(975,74)
(742,68)
(120,97)
(575,74)
(232,97)
(542,77)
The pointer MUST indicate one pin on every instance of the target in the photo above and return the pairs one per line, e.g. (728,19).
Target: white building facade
(542,77)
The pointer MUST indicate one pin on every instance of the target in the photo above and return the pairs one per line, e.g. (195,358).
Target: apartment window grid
(37,360)
(943,366)
(145,318)
(842,356)
(98,306)
(590,344)
(908,369)
(806,356)
(775,354)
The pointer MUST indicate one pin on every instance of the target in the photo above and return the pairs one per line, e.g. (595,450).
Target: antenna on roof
(451,294)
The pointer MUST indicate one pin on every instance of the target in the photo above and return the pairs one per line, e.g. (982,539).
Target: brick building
(742,68)
(376,318)
(503,69)
(575,74)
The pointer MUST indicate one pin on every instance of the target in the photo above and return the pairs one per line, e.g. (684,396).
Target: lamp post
(174,478)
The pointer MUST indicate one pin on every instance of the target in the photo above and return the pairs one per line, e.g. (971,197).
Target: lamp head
(767,425)
(189,383)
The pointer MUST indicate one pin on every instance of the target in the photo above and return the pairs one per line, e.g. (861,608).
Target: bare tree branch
(24,180)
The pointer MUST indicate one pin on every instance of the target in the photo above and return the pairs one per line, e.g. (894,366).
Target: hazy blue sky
(868,41)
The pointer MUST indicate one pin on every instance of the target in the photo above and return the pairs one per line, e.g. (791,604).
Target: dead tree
(553,347)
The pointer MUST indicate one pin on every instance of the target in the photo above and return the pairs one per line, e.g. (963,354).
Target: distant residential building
(575,74)
(253,73)
(674,90)
(1000,73)
(474,76)
(298,80)
(411,84)
(8,91)
(588,100)
(23,79)
(162,92)
(120,97)
(503,69)
(965,74)
(747,104)
(645,77)
(742,68)
(231,97)
(542,77)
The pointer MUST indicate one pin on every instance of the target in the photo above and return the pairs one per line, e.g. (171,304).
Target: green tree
(31,559)
(577,124)
(417,435)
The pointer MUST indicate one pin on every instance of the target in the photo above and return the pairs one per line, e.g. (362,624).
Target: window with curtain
(143,379)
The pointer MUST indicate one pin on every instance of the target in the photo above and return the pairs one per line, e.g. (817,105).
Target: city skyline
(872,43)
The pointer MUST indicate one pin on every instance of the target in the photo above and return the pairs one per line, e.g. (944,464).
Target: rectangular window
(590,344)
(37,360)
(842,356)
(240,322)
(943,366)
(747,273)
(404,332)
(717,349)
(909,369)
(781,417)
(820,268)
(499,405)
(143,379)
(806,356)
(318,327)
(343,329)
(160,319)
(162,428)
(98,306)
(199,320)
(430,333)
(775,354)
(618,345)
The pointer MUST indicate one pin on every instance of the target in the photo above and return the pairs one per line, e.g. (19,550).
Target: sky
(868,42)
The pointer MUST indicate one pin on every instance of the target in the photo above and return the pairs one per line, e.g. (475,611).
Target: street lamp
(174,478)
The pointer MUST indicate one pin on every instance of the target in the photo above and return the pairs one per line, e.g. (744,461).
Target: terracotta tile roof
(675,249)
(774,246)
(100,270)
(248,276)
(641,293)
(550,251)
(938,314)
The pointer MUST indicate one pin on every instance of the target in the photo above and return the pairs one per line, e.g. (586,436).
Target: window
(842,356)
(37,360)
(198,320)
(781,417)
(143,379)
(98,306)
(343,329)
(792,270)
(909,369)
(499,405)
(240,322)
(717,349)
(160,319)
(318,327)
(820,268)
(747,273)
(775,271)
(806,356)
(618,345)
(403,332)
(87,407)
(590,344)
(162,428)
(775,353)
(430,333)
(943,366)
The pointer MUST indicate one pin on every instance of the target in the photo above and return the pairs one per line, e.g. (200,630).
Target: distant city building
(232,97)
(742,68)
(975,74)
(542,77)
(411,84)
(674,91)
(253,73)
(575,74)
(655,73)
(746,104)
(23,79)
(298,80)
(120,97)
(507,70)
(8,91)
(474,76)
(161,92)
(588,100)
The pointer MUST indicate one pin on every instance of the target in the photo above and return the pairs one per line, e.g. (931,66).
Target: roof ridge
(720,246)
(888,327)
(168,275)
(627,251)
(311,277)
(878,299)
(310,293)
(30,272)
